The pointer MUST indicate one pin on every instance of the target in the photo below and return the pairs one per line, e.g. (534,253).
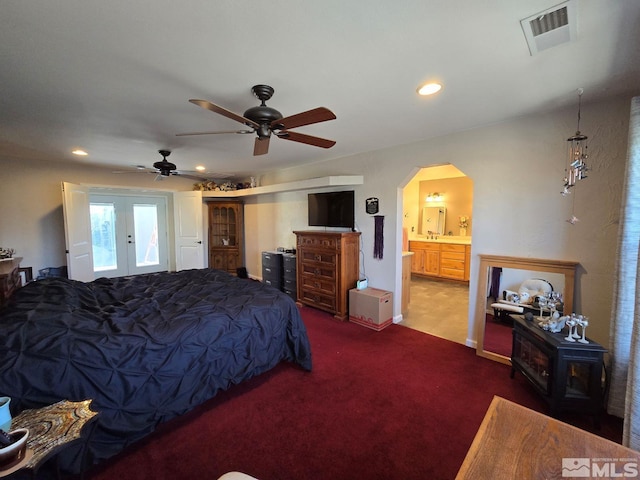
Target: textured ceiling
(114,77)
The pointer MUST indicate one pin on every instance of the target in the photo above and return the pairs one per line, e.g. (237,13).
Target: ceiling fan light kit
(165,167)
(264,120)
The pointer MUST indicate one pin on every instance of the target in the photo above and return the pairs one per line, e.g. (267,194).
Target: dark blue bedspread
(145,348)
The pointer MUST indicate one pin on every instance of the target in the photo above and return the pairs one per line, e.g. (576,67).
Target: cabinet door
(218,260)
(224,226)
(417,261)
(432,262)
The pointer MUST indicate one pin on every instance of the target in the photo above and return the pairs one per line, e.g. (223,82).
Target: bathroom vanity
(442,258)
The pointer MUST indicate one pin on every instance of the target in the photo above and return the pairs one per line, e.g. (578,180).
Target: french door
(128,235)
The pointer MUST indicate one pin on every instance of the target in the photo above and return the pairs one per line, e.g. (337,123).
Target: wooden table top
(516,442)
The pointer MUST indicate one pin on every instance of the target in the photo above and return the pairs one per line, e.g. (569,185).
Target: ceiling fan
(265,120)
(164,168)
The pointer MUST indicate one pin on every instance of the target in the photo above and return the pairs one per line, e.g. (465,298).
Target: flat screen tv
(332,209)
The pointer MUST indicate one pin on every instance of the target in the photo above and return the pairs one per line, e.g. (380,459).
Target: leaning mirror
(499,274)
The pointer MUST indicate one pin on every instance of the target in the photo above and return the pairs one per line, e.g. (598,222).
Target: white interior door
(187,214)
(77,230)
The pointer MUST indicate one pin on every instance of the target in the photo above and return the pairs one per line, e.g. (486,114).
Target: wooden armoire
(226,235)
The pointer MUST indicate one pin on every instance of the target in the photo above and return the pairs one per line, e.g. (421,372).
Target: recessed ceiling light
(200,168)
(429,88)
(79,152)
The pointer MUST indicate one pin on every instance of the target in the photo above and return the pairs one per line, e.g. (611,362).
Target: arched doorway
(437,227)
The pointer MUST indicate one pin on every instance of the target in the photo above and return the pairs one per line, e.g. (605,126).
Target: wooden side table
(516,442)
(52,429)
(9,278)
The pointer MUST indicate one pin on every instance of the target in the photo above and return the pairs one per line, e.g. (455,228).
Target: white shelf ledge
(320,182)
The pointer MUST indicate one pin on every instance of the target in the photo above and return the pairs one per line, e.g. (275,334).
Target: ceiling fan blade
(224,112)
(308,139)
(185,175)
(134,171)
(261,146)
(214,133)
(203,175)
(317,115)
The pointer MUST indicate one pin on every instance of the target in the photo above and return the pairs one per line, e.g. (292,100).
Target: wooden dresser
(9,278)
(328,266)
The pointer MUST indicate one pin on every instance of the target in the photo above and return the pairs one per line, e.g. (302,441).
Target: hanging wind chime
(576,168)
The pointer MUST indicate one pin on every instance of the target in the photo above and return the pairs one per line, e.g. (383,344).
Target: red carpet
(497,336)
(395,404)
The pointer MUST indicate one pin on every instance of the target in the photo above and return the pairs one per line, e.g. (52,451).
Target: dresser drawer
(270,259)
(452,273)
(289,271)
(319,241)
(450,263)
(289,261)
(277,283)
(292,293)
(269,273)
(307,256)
(417,245)
(453,255)
(318,285)
(452,247)
(318,299)
(289,283)
(327,272)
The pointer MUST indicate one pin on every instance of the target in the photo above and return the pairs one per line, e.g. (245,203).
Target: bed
(145,349)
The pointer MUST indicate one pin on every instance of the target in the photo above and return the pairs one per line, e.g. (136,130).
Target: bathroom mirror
(433,220)
(491,343)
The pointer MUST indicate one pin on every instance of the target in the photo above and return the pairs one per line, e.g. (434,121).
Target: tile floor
(439,307)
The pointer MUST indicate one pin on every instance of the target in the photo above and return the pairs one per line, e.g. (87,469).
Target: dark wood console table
(567,374)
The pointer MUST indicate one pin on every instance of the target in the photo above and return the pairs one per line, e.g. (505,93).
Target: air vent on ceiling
(551,27)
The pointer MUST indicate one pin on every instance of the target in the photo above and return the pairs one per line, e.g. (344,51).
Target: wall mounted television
(332,209)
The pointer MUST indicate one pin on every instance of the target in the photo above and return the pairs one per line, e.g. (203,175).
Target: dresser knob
(318,258)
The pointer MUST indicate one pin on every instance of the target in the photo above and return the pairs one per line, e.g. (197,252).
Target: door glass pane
(103,236)
(145,221)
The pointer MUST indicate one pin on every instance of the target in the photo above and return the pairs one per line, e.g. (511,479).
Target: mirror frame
(568,268)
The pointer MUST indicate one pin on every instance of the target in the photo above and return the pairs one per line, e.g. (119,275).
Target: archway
(439,284)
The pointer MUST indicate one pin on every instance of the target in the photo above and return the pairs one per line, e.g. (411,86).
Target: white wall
(31,218)
(516,168)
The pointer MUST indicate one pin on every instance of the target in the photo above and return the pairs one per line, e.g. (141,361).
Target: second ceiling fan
(264,121)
